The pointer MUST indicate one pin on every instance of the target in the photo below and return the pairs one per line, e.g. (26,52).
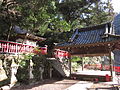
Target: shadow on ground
(48,83)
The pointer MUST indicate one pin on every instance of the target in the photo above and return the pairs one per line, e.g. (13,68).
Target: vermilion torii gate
(96,40)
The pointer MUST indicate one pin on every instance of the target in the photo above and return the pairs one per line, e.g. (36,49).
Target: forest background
(52,19)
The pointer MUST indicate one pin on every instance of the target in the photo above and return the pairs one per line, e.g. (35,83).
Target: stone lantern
(14,68)
(31,69)
(41,69)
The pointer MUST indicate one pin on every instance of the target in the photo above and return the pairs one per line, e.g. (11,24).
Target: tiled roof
(116,24)
(18,30)
(21,33)
(93,34)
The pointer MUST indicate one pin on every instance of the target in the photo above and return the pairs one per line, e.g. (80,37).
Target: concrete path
(81,85)
(50,84)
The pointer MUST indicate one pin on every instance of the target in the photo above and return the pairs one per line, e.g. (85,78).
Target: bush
(23,72)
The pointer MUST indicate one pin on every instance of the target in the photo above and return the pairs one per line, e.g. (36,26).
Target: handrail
(15,43)
(13,47)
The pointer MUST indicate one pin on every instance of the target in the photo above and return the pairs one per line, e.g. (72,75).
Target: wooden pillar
(111,64)
(70,66)
(82,64)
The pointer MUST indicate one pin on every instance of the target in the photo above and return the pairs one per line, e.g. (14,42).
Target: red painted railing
(61,54)
(13,47)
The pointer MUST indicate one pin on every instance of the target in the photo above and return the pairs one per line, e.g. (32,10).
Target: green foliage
(74,66)
(76,24)
(51,19)
(40,61)
(23,63)
(76,58)
(74,14)
(36,17)
(28,56)
(86,13)
(23,72)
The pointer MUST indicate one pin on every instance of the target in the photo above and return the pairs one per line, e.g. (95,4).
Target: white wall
(28,42)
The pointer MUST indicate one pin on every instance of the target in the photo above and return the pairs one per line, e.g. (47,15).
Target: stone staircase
(61,66)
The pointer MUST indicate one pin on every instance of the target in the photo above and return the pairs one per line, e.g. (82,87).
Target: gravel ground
(50,84)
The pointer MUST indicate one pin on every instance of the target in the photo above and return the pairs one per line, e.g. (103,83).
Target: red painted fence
(61,54)
(115,68)
(13,47)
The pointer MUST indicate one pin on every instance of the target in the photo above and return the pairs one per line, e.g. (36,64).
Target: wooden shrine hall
(96,40)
